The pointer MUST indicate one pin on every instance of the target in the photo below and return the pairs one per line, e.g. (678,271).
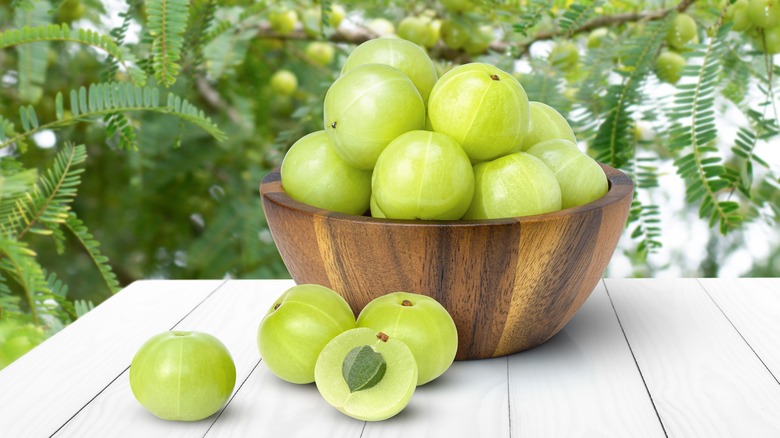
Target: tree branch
(613,20)
(362,35)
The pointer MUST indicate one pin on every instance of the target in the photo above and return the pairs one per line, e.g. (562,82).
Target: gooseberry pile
(404,144)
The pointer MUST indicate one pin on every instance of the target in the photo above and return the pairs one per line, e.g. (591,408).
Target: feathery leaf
(167,21)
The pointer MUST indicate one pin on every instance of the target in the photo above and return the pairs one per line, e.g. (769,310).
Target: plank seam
(128,367)
(508,397)
(200,303)
(232,397)
(738,332)
(633,356)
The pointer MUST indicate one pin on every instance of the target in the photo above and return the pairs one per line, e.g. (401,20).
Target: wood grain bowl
(509,284)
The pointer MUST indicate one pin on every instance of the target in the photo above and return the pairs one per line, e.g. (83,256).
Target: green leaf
(534,12)
(167,21)
(88,242)
(363,368)
(103,101)
(58,106)
(613,141)
(33,58)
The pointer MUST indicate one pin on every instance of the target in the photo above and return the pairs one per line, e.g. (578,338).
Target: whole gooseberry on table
(298,326)
(182,375)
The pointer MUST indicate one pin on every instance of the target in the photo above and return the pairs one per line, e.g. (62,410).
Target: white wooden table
(642,358)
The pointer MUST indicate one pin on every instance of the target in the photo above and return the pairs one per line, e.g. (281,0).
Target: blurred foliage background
(98,190)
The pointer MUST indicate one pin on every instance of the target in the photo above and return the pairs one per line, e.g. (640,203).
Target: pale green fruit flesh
(682,31)
(764,13)
(669,66)
(546,124)
(313,173)
(184,376)
(580,177)
(284,83)
(421,323)
(514,185)
(297,327)
(380,402)
(401,54)
(482,108)
(368,107)
(423,175)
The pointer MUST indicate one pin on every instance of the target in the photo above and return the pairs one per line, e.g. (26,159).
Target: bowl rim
(620,187)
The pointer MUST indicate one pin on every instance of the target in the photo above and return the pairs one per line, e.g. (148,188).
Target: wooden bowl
(509,284)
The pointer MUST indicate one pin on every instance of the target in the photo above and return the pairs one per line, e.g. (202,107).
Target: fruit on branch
(337,14)
(738,14)
(421,30)
(597,36)
(682,32)
(564,55)
(284,83)
(283,22)
(320,53)
(479,40)
(454,33)
(669,66)
(764,13)
(381,27)
(768,41)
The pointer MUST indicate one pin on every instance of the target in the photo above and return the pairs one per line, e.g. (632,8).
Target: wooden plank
(583,381)
(704,379)
(48,385)
(753,307)
(231,314)
(469,400)
(268,406)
